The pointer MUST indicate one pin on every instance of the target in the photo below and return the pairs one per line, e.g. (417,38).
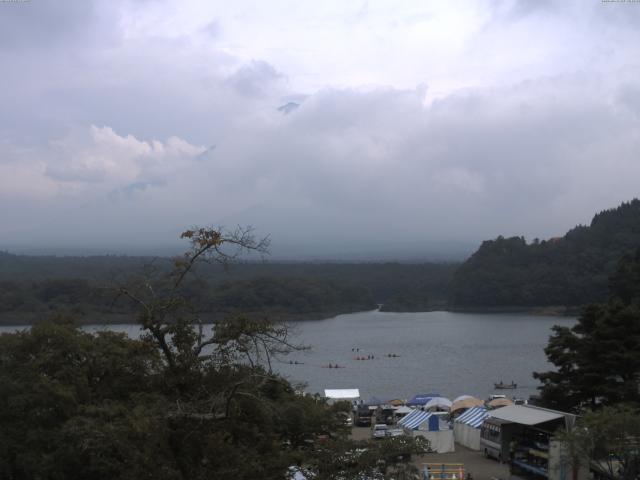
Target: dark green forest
(598,360)
(562,274)
(567,271)
(33,287)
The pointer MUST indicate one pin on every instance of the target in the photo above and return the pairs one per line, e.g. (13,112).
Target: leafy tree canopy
(182,402)
(606,441)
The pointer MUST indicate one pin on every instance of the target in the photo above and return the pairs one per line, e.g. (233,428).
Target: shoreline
(27,319)
(544,311)
(16,319)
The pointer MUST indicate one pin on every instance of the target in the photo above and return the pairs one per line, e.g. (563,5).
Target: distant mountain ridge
(572,270)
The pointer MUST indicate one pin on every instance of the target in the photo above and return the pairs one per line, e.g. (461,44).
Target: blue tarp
(421,399)
(473,417)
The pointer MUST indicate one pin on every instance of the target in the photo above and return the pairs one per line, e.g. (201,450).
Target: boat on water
(333,366)
(505,386)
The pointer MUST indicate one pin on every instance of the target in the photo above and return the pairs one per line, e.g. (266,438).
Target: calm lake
(447,353)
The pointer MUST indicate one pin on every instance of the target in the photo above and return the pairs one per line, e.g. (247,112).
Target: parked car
(363,416)
(380,430)
(346,418)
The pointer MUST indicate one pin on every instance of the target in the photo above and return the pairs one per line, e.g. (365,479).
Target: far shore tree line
(559,275)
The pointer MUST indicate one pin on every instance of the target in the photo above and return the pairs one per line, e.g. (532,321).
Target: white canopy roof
(404,409)
(438,402)
(342,393)
(526,414)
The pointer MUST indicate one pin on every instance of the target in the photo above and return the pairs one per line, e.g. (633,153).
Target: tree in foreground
(607,441)
(598,360)
(183,402)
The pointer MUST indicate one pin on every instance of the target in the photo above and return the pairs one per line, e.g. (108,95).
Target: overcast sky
(418,124)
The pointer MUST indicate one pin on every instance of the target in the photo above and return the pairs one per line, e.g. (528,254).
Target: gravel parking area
(474,462)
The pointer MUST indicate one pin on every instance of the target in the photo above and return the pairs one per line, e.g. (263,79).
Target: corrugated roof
(525,414)
(342,393)
(473,417)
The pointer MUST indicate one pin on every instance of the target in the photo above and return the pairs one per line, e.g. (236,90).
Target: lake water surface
(443,352)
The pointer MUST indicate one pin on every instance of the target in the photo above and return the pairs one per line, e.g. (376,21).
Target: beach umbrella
(438,402)
(499,402)
(469,402)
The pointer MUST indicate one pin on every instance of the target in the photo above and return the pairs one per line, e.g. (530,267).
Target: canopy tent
(342,393)
(396,402)
(499,402)
(438,402)
(427,425)
(421,398)
(462,397)
(466,428)
(420,420)
(403,410)
(473,417)
(468,402)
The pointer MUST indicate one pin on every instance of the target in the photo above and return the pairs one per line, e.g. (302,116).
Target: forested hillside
(569,271)
(32,288)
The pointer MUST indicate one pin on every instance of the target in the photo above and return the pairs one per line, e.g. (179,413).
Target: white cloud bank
(425,124)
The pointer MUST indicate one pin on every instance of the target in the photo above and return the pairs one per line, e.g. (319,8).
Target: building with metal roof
(342,393)
(523,435)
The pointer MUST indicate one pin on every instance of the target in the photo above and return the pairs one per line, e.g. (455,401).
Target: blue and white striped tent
(466,428)
(415,419)
(473,417)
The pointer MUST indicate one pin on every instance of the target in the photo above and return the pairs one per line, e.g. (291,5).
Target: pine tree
(598,360)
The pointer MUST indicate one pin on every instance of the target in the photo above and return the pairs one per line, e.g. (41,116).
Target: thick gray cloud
(25,25)
(255,79)
(416,126)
